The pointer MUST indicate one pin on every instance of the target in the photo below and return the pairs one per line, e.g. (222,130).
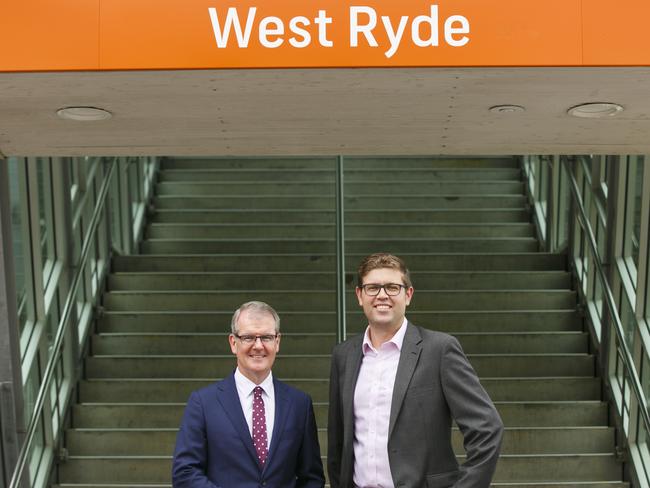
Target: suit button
(263,483)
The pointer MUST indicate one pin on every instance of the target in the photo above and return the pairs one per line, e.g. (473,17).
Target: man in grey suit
(394,391)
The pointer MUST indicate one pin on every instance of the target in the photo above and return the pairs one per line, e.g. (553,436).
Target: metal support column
(126,206)
(340,253)
(11,399)
(615,219)
(552,204)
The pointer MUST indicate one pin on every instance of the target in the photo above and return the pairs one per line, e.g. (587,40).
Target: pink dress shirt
(372,400)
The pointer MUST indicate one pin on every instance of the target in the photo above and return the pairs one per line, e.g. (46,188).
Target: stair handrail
(609,298)
(62,327)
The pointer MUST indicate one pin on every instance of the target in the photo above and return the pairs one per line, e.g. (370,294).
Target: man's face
(384,310)
(255,360)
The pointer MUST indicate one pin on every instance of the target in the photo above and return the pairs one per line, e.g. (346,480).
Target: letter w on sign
(232,21)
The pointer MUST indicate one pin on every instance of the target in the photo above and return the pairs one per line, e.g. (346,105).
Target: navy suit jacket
(214,448)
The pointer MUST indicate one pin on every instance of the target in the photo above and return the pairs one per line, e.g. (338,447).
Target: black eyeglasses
(391,289)
(251,339)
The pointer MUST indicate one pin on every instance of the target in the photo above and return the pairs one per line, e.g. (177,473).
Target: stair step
(349,162)
(558,467)
(315,280)
(451,321)
(120,390)
(318,366)
(159,442)
(326,300)
(327,173)
(377,216)
(359,201)
(168,415)
(519,343)
(327,262)
(313,231)
(202,344)
(277,188)
(319,246)
(153,469)
(564,484)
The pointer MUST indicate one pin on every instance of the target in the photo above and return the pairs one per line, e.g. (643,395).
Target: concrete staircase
(227,231)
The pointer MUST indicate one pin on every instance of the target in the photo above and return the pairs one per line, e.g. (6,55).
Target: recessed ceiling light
(84,114)
(507,109)
(595,110)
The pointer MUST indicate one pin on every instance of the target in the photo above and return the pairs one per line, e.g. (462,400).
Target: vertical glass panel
(18,242)
(74,177)
(95,266)
(628,320)
(114,215)
(531,168)
(30,392)
(50,331)
(542,197)
(81,303)
(36,451)
(564,207)
(645,376)
(619,372)
(606,167)
(46,216)
(644,452)
(636,212)
(642,428)
(597,297)
(54,396)
(586,264)
(134,184)
(600,232)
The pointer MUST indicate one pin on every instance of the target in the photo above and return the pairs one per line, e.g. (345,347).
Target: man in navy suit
(249,430)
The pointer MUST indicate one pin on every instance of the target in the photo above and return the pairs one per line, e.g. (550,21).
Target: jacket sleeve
(334,426)
(475,415)
(190,455)
(309,468)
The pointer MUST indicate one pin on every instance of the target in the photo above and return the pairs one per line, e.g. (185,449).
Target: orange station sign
(42,35)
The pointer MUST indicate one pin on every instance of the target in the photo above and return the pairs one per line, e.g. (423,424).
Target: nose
(258,342)
(382,290)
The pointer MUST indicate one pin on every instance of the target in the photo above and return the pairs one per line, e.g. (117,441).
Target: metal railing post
(340,253)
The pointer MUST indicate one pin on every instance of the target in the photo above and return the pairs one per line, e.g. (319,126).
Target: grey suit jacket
(434,384)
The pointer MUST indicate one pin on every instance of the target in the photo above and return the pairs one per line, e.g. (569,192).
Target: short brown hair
(383,260)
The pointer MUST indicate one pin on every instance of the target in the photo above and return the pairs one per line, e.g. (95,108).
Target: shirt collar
(246,386)
(397,340)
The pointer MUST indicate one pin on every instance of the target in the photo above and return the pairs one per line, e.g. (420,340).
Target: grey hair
(257,308)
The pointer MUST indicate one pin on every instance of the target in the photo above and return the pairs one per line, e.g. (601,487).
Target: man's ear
(358,291)
(409,294)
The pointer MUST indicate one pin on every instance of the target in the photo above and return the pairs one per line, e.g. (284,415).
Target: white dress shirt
(245,389)
(372,401)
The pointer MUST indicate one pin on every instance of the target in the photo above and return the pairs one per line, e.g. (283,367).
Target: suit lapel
(352,367)
(408,359)
(282,411)
(229,399)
